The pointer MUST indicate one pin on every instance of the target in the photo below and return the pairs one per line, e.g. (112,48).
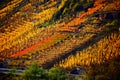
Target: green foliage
(47,23)
(56,74)
(13,72)
(112,23)
(33,72)
(76,7)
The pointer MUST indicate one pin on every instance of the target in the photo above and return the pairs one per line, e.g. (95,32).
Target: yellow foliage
(105,49)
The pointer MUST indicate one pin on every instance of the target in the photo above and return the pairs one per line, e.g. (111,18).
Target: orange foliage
(36,46)
(80,19)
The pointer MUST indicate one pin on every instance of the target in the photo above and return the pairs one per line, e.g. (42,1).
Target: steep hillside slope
(62,33)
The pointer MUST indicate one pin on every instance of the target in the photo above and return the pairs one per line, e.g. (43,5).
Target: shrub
(33,72)
(56,74)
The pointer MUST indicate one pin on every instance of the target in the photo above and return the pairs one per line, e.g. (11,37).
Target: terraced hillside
(62,33)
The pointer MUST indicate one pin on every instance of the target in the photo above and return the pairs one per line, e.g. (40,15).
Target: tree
(33,72)
(56,74)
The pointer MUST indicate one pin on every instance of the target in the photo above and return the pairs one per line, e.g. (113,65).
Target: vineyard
(101,53)
(61,33)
